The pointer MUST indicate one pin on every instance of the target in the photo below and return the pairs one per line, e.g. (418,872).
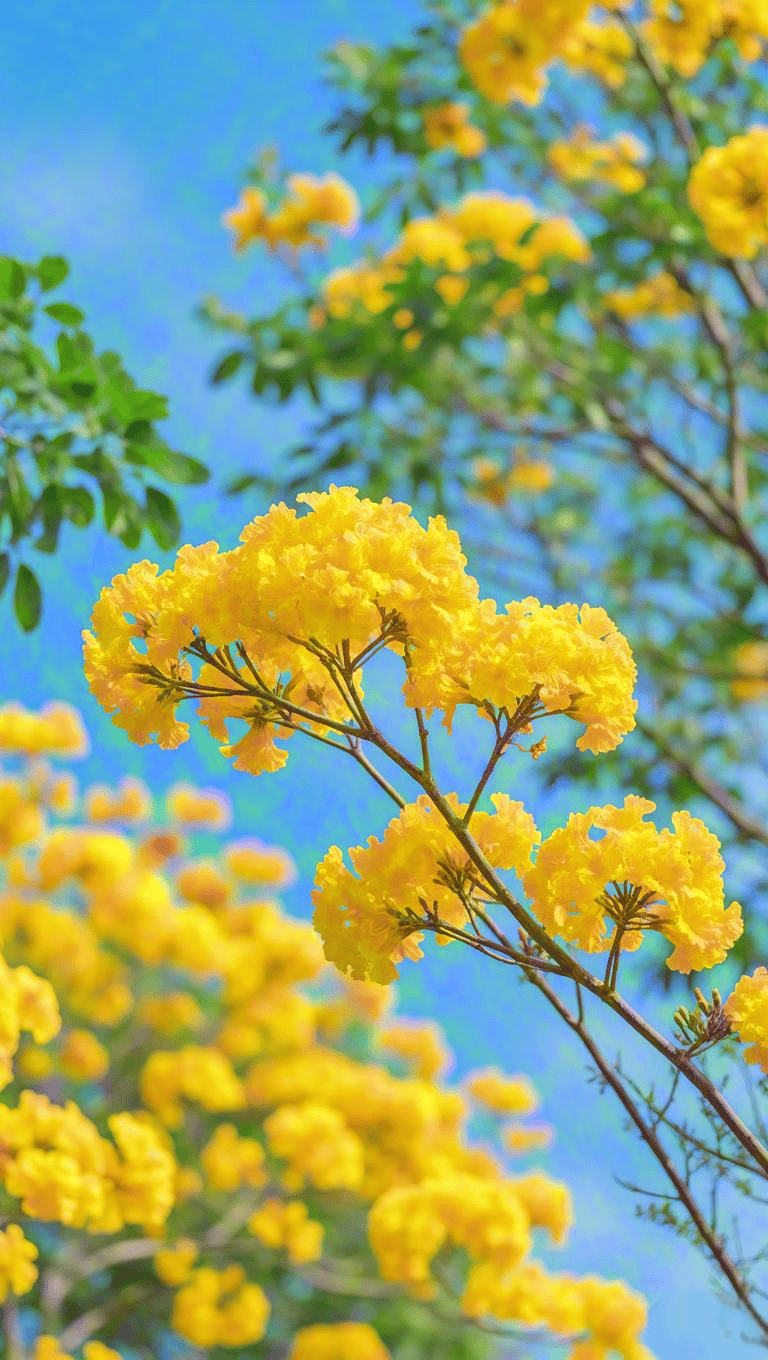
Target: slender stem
(652,1140)
(375,774)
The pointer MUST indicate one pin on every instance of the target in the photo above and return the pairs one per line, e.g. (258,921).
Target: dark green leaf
(162,518)
(77,503)
(228,365)
(27,599)
(13,280)
(5,570)
(174,467)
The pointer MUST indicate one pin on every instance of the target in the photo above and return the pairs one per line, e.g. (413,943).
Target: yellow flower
(286,1223)
(422,1045)
(361,916)
(208,808)
(338,1341)
(448,125)
(671,881)
(173,1265)
(230,1161)
(728,190)
(751,661)
(317,1145)
(253,863)
(56,729)
(131,801)
(603,48)
(17,1273)
(82,1057)
(502,1094)
(747,1010)
(220,1308)
(614,162)
(249,218)
(506,50)
(659,295)
(680,32)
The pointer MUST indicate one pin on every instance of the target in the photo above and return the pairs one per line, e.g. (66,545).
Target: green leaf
(5,570)
(77,504)
(52,270)
(65,313)
(228,365)
(174,467)
(27,599)
(162,518)
(13,280)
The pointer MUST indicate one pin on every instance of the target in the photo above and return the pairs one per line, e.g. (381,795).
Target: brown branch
(651,1139)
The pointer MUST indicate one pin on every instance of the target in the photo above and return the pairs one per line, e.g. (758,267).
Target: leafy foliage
(74,428)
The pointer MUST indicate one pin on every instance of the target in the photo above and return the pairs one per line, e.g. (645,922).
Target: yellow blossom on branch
(634,878)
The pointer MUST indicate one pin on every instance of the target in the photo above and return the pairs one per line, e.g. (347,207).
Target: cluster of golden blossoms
(448,126)
(660,295)
(728,190)
(681,33)
(350,578)
(496,484)
(479,227)
(507,50)
(309,203)
(326,592)
(615,162)
(255,1035)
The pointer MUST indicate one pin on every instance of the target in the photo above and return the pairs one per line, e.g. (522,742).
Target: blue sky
(124,133)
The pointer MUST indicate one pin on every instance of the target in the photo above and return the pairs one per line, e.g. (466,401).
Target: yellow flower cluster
(48,1348)
(338,1341)
(751,662)
(208,809)
(310,1114)
(495,485)
(130,802)
(352,574)
(602,48)
(54,1161)
(609,1312)
(367,919)
(747,1010)
(669,881)
(27,1002)
(681,32)
(220,1308)
(310,201)
(173,1264)
(573,661)
(230,1161)
(448,125)
(614,162)
(502,1094)
(82,1057)
(480,225)
(421,1045)
(267,866)
(17,1273)
(317,1145)
(286,1224)
(659,295)
(728,190)
(506,50)
(65,948)
(194,1073)
(57,729)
